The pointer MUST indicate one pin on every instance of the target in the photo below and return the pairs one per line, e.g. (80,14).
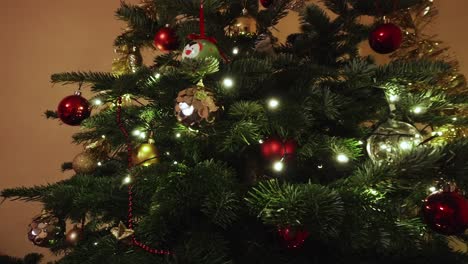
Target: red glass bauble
(446,212)
(266,3)
(272,148)
(73,109)
(385,38)
(293,237)
(166,39)
(290,147)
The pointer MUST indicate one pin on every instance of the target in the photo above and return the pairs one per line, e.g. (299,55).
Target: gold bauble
(74,236)
(447,133)
(129,60)
(84,162)
(145,155)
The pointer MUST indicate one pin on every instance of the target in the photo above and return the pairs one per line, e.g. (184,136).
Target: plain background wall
(43,37)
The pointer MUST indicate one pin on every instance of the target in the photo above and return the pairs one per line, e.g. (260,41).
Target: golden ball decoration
(74,236)
(145,154)
(85,162)
(447,133)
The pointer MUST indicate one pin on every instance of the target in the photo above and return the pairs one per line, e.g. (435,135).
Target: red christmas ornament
(385,38)
(266,3)
(290,147)
(73,109)
(293,237)
(274,148)
(166,39)
(446,212)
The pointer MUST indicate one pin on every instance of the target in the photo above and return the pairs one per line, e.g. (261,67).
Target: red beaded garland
(130,187)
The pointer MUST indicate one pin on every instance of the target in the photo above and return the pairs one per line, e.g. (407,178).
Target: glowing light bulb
(97,101)
(99,163)
(103,136)
(157,75)
(273,103)
(278,166)
(73,236)
(417,110)
(136,132)
(178,135)
(393,98)
(260,141)
(228,82)
(405,145)
(432,189)
(127,180)
(454,119)
(96,243)
(175,162)
(235,51)
(142,135)
(373,192)
(320,166)
(360,142)
(342,158)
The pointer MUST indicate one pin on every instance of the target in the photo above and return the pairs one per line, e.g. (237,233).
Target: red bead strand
(130,187)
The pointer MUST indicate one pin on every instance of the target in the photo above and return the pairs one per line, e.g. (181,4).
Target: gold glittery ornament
(446,134)
(85,162)
(74,236)
(129,60)
(122,233)
(145,154)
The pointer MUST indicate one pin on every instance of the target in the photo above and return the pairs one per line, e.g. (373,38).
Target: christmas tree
(231,147)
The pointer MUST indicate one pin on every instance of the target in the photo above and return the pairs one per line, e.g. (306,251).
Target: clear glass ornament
(391,139)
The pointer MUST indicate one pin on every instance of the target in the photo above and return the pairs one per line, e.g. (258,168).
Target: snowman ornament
(200,49)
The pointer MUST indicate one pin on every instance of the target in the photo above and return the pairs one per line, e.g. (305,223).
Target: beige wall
(43,37)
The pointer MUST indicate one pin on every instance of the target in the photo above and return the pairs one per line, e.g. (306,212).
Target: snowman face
(192,50)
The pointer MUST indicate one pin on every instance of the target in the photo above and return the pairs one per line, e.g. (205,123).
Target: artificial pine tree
(236,149)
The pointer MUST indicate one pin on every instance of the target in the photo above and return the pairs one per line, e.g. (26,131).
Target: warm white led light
(235,51)
(278,166)
(97,102)
(405,145)
(127,180)
(417,110)
(228,82)
(342,158)
(273,103)
(393,98)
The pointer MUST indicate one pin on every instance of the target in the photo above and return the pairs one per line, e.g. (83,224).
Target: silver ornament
(391,139)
